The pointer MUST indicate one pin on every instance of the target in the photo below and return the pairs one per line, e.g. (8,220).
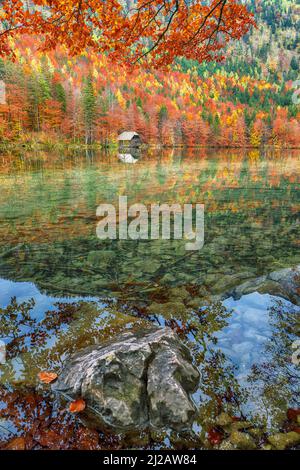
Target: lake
(85,290)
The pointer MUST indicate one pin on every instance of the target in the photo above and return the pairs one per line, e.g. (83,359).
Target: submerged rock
(178,293)
(102,259)
(135,381)
(230,280)
(284,283)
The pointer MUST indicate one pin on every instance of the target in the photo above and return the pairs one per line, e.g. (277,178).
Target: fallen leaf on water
(18,443)
(47,377)
(77,405)
(214,436)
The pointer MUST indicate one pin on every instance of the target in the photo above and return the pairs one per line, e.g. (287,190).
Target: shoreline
(55,146)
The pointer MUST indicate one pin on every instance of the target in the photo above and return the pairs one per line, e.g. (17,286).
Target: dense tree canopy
(52,97)
(129,31)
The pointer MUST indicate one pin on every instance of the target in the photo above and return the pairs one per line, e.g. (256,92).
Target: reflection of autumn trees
(277,377)
(39,197)
(45,345)
(42,344)
(48,218)
(22,332)
(219,390)
(33,420)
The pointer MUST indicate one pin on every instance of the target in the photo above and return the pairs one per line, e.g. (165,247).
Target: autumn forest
(243,101)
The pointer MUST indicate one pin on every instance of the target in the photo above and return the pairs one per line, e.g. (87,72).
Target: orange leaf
(18,443)
(47,377)
(77,405)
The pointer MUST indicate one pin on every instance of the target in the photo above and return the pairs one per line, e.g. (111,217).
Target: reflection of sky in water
(242,341)
(24,291)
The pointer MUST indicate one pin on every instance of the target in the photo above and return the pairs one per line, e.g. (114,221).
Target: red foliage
(214,436)
(293,414)
(40,423)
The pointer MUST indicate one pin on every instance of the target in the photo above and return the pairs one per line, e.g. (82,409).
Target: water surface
(85,289)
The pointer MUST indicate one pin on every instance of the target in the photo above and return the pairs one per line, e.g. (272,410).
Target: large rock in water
(134,381)
(284,283)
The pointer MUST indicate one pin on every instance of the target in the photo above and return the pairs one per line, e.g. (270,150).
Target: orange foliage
(151,31)
(173,108)
(47,377)
(77,405)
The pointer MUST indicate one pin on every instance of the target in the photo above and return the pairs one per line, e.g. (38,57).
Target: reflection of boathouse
(127,158)
(129,140)
(2,92)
